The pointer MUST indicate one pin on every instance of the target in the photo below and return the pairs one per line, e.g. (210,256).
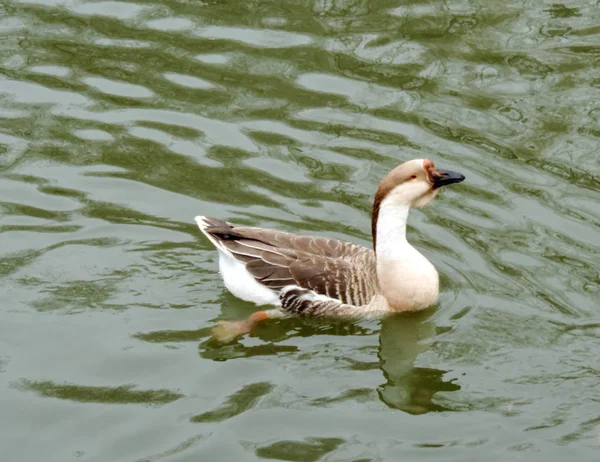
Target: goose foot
(227,331)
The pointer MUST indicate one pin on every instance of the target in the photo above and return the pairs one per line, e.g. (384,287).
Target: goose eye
(414,177)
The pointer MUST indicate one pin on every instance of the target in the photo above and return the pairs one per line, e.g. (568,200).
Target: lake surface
(121,121)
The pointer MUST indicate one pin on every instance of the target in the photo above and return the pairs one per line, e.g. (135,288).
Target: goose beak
(439,177)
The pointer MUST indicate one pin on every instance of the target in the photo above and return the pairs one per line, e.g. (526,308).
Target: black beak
(439,177)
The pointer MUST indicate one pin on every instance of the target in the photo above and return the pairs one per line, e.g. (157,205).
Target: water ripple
(122,120)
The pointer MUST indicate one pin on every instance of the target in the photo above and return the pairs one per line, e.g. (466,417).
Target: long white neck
(391,230)
(407,280)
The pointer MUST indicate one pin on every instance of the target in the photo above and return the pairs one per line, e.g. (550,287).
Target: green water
(121,121)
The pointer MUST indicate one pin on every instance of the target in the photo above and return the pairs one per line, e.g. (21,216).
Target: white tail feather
(235,276)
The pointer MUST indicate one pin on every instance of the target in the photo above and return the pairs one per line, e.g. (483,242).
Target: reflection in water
(217,352)
(164,336)
(402,338)
(309,450)
(409,388)
(237,403)
(88,394)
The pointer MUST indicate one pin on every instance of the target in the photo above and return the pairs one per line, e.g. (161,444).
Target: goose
(315,276)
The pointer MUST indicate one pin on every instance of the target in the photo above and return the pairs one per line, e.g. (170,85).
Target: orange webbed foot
(227,331)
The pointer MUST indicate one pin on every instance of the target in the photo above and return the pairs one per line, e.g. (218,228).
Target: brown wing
(340,270)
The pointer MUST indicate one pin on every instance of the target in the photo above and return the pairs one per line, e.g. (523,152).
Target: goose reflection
(407,387)
(402,339)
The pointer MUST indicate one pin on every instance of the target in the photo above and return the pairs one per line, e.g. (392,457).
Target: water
(119,122)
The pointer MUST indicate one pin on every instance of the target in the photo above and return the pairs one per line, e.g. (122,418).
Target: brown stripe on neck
(397,176)
(384,188)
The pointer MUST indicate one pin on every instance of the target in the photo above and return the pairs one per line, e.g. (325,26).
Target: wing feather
(340,270)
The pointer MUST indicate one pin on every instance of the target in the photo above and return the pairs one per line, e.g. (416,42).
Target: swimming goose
(324,277)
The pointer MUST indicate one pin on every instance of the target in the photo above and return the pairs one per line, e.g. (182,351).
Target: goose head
(415,183)
(412,184)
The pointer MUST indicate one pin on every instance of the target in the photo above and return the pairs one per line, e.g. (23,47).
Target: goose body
(325,277)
